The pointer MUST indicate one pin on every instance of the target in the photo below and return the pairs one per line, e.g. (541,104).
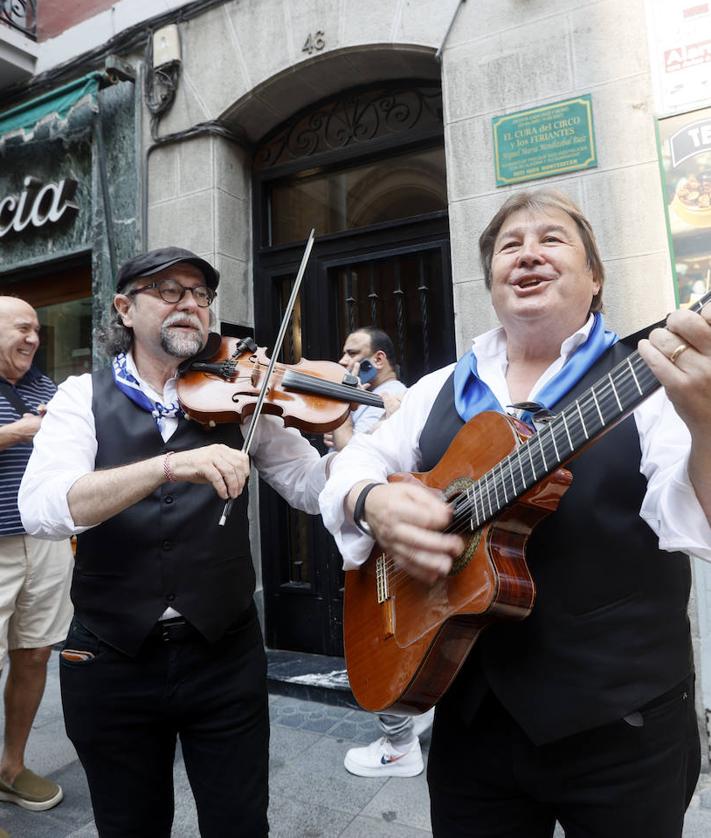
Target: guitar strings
(620,395)
(480,494)
(627,391)
(463,514)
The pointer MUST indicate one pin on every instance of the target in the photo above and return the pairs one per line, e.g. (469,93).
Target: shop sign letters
(37,205)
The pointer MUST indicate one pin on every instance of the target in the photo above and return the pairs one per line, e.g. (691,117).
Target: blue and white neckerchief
(131,387)
(472,396)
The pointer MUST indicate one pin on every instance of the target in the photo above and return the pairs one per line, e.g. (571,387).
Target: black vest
(167,549)
(609,630)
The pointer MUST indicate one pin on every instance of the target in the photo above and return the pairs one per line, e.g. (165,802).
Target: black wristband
(359,509)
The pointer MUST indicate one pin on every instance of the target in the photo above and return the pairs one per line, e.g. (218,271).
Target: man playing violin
(583,712)
(165,640)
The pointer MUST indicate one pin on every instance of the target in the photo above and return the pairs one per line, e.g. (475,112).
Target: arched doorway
(366,169)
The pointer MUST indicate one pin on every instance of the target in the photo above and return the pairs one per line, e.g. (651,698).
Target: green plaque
(545,141)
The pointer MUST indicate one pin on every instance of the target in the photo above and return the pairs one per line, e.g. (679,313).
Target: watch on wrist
(359,509)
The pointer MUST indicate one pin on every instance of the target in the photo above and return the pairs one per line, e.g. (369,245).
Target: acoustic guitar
(404,640)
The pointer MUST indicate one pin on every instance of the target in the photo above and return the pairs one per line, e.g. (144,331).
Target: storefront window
(685,146)
(62,299)
(65,339)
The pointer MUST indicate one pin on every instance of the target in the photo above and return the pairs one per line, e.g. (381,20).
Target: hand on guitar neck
(407,521)
(679,355)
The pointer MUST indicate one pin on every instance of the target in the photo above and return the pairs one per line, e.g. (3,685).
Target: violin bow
(275,352)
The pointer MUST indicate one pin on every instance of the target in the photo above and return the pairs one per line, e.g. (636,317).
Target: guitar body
(404,640)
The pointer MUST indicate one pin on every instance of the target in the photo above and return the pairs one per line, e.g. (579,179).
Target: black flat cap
(156,260)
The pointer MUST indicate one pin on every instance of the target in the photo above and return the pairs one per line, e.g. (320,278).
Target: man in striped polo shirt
(35,609)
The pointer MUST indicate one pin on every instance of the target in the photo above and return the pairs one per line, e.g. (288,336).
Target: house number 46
(315,42)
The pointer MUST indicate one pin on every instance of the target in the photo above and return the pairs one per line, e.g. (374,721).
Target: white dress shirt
(65,450)
(365,418)
(670,506)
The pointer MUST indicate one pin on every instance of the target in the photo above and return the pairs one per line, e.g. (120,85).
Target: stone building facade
(250,69)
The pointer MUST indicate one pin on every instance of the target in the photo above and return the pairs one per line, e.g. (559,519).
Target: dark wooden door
(397,278)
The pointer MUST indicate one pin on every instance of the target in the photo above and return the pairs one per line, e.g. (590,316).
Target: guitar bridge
(382,587)
(381,579)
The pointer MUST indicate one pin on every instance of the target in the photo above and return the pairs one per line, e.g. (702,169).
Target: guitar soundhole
(455,488)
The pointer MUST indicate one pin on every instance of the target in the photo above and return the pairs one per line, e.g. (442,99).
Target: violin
(223,382)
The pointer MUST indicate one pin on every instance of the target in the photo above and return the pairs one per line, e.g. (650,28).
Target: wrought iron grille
(395,294)
(351,119)
(20,15)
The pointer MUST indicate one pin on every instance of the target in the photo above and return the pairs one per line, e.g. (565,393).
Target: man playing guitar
(583,712)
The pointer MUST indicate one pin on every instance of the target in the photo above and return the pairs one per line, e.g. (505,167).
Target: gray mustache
(183,320)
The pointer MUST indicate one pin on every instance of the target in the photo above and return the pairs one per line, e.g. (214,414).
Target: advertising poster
(680,53)
(685,155)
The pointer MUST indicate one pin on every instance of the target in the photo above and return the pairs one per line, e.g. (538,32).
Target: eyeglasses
(171,291)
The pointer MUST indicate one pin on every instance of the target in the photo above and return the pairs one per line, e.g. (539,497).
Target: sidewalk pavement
(312,795)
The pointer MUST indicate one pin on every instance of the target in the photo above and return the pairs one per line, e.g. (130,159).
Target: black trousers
(123,716)
(488,780)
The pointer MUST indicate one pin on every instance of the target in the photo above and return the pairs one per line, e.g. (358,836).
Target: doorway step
(309,677)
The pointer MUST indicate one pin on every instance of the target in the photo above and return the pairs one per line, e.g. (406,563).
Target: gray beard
(180,345)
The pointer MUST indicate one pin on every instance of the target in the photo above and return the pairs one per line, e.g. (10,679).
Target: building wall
(501,56)
(256,76)
(508,55)
(199,197)
(55,16)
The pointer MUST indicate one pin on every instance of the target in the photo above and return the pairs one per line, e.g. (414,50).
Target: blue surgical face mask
(366,371)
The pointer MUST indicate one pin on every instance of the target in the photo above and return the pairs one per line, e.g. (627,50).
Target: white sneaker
(380,759)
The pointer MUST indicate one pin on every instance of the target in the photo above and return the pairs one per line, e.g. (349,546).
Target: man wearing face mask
(369,353)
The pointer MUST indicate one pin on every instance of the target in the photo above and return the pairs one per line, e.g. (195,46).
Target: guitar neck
(608,401)
(302,383)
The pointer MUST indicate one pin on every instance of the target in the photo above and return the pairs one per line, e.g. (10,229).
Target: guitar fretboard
(596,410)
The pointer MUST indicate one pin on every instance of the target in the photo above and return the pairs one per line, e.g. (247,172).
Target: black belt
(173,630)
(178,629)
